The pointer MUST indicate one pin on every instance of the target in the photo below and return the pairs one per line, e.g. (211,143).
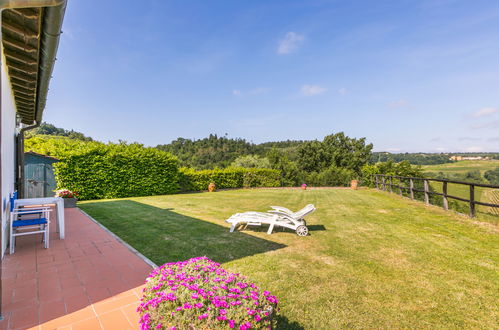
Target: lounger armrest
(281,214)
(282,209)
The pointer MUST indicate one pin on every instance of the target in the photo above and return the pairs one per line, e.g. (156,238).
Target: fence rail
(385,182)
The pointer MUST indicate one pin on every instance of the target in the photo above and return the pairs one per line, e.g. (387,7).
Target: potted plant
(68,196)
(212,187)
(354,184)
(304,186)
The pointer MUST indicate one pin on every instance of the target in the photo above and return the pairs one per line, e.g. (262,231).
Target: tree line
(335,160)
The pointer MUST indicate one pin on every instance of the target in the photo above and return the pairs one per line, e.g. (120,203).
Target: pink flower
(232,323)
(245,326)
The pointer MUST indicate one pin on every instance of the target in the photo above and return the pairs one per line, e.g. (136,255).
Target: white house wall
(7,143)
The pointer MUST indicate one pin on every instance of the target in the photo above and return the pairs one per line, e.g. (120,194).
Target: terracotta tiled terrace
(89,280)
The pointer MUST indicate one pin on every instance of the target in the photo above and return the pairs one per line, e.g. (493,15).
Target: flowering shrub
(199,294)
(65,193)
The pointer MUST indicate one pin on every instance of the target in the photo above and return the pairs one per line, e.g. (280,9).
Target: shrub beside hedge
(192,180)
(117,170)
(199,294)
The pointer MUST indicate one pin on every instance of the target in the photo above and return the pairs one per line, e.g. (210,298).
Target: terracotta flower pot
(304,186)
(354,184)
(211,187)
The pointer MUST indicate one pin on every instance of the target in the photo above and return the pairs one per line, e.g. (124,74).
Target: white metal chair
(28,221)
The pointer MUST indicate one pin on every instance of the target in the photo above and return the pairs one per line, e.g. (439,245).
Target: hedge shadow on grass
(163,235)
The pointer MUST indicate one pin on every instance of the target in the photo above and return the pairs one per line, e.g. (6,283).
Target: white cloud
(343,91)
(393,149)
(399,104)
(487,111)
(237,92)
(291,42)
(309,90)
(440,149)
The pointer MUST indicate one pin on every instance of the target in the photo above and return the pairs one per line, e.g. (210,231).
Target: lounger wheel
(302,231)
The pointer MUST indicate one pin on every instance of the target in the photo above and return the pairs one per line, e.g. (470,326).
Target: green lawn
(373,260)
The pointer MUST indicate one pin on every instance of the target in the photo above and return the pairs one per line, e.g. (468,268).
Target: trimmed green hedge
(192,180)
(117,170)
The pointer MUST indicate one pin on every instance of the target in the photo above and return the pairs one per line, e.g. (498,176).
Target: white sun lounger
(278,216)
(296,215)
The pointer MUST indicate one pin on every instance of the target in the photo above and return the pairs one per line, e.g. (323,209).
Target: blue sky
(407,75)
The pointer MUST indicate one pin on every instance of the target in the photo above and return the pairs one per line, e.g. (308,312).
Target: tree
(251,161)
(336,150)
(492,176)
(49,129)
(403,168)
(473,176)
(289,171)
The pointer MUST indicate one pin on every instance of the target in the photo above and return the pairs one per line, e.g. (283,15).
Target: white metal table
(59,203)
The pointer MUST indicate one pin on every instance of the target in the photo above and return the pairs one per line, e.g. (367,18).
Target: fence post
(444,191)
(383,182)
(472,201)
(400,187)
(377,182)
(411,188)
(426,192)
(391,190)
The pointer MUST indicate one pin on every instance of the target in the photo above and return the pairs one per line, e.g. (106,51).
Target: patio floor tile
(116,319)
(92,323)
(89,280)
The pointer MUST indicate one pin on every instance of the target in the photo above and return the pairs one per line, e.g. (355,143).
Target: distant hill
(49,129)
(421,158)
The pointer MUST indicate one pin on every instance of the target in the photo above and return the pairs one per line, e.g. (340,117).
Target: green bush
(330,177)
(192,180)
(404,168)
(492,176)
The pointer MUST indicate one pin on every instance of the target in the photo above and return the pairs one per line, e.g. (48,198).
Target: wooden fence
(385,182)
